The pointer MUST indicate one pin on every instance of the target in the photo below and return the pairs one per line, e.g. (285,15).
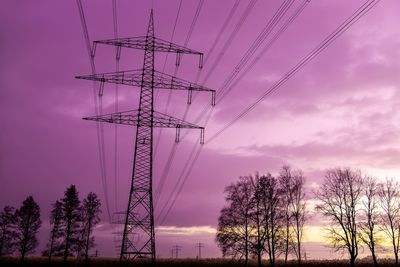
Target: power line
(99,127)
(194,21)
(229,41)
(165,64)
(282,10)
(174,145)
(175,188)
(215,42)
(368,5)
(296,13)
(266,31)
(183,177)
(221,31)
(333,36)
(228,85)
(103,155)
(316,51)
(187,169)
(225,46)
(165,173)
(277,16)
(170,39)
(117,58)
(116,108)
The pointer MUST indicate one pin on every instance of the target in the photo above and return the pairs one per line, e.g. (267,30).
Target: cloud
(188,231)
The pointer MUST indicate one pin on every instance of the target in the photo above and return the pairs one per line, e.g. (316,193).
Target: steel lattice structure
(138,239)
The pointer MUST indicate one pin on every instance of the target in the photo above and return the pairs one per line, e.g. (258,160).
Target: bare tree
(286,188)
(230,234)
(234,221)
(265,215)
(7,231)
(299,212)
(368,228)
(28,223)
(273,217)
(257,239)
(339,197)
(291,184)
(389,196)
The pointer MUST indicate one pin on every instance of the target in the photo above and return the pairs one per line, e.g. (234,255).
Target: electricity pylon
(199,246)
(176,249)
(138,239)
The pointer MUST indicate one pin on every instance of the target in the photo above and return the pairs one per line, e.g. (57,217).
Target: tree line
(72,223)
(265,215)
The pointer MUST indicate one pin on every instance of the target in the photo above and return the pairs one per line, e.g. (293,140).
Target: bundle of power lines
(275,26)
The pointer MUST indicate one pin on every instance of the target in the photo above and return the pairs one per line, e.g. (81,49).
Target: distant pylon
(199,246)
(138,239)
(176,249)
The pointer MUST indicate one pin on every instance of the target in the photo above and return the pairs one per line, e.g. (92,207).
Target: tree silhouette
(369,226)
(286,188)
(71,211)
(90,217)
(264,215)
(271,209)
(291,184)
(27,223)
(234,221)
(299,212)
(339,196)
(389,195)
(7,231)
(257,218)
(54,246)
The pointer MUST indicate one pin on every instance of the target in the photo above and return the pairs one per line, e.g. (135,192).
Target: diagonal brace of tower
(138,239)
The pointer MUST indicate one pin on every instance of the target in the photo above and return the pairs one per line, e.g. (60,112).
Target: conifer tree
(27,224)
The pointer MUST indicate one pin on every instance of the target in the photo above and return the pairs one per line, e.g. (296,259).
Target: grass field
(106,262)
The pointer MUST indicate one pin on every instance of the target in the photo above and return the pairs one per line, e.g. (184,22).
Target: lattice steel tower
(138,239)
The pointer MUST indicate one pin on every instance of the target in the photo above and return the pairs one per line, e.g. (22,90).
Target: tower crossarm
(160,120)
(160,45)
(134,78)
(161,81)
(141,42)
(130,117)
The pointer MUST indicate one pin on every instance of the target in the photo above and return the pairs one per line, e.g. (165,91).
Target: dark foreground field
(107,262)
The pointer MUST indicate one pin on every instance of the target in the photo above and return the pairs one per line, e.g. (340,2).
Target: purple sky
(340,110)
